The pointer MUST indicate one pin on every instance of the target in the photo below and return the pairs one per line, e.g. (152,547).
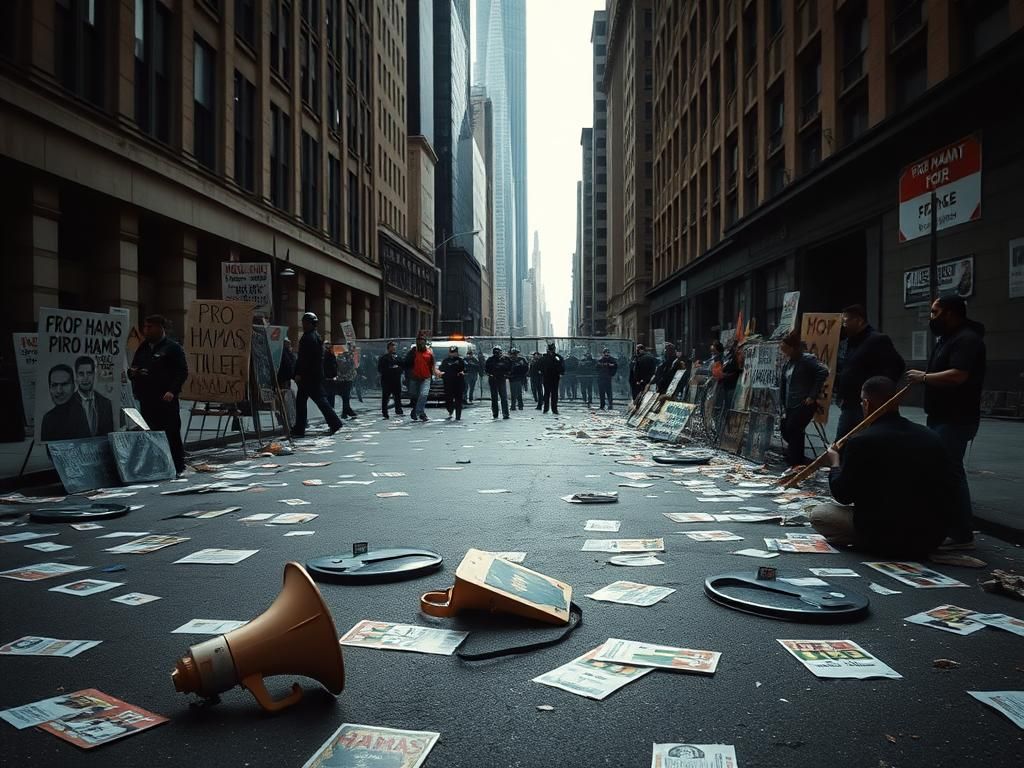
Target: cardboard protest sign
(820,331)
(218,339)
(787,317)
(26,358)
(78,389)
(248,282)
(84,465)
(671,421)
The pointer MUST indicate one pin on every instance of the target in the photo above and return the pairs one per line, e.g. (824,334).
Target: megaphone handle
(438,603)
(254,683)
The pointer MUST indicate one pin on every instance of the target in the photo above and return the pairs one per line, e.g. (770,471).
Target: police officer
(572,364)
(472,374)
(309,373)
(552,367)
(518,372)
(607,366)
(453,376)
(497,369)
(157,373)
(586,373)
(537,380)
(389,368)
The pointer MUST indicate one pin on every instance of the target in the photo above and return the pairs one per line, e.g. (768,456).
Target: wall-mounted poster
(956,277)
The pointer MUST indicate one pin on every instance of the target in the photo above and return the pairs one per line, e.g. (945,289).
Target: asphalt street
(762,700)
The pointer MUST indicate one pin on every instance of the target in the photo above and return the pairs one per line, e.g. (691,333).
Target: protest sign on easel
(820,332)
(26,358)
(265,375)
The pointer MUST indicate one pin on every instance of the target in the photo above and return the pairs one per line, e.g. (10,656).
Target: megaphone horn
(295,635)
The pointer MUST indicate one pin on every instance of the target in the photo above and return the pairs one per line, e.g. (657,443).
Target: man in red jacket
(419,363)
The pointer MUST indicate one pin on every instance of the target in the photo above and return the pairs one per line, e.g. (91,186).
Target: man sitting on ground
(897,478)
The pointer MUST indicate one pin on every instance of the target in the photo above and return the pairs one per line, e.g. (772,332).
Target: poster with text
(248,281)
(953,278)
(127,393)
(218,339)
(26,357)
(787,317)
(820,332)
(78,386)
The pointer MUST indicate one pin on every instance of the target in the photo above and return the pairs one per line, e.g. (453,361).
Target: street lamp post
(442,273)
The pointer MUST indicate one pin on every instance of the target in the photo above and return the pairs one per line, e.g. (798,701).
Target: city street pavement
(763,701)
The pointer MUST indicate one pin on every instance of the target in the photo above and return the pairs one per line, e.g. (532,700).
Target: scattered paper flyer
(85,718)
(47,546)
(878,589)
(1009,703)
(798,543)
(256,518)
(603,525)
(134,598)
(352,482)
(711,535)
(745,517)
(208,627)
(392,494)
(624,545)
(915,575)
(294,502)
(123,535)
(215,556)
(368,745)
(635,560)
(689,517)
(660,656)
(207,514)
(834,573)
(300,533)
(292,518)
(838,659)
(41,571)
(694,756)
(309,464)
(635,485)
(47,646)
(86,587)
(592,497)
(13,538)
(388,474)
(631,593)
(86,526)
(147,544)
(755,553)
(495,490)
(387,636)
(1000,621)
(588,677)
(948,618)
(313,482)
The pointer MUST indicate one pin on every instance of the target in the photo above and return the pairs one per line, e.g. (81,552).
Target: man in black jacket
(157,373)
(586,373)
(641,370)
(309,375)
(536,380)
(898,479)
(552,366)
(453,376)
(607,366)
(389,368)
(868,353)
(803,377)
(330,375)
(472,374)
(497,369)
(518,371)
(286,370)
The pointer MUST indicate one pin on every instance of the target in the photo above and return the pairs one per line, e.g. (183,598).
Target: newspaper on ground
(46,646)
(259,517)
(689,517)
(146,545)
(351,482)
(1009,703)
(585,676)
(603,525)
(592,497)
(755,553)
(694,756)
(745,517)
(355,746)
(631,593)
(86,526)
(134,598)
(208,627)
(86,587)
(1000,621)
(388,636)
(834,573)
(13,538)
(801,543)
(805,581)
(20,498)
(41,571)
(123,535)
(838,659)
(948,618)
(634,484)
(216,556)
(292,518)
(388,474)
(915,575)
(47,546)
(659,656)
(878,589)
(309,464)
(635,560)
(85,718)
(624,545)
(494,490)
(711,535)
(392,494)
(313,482)
(300,533)
(294,502)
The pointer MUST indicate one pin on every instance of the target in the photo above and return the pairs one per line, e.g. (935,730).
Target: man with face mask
(497,369)
(952,398)
(896,482)
(868,353)
(453,374)
(585,374)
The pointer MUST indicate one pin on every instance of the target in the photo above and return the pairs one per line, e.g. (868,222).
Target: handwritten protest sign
(78,388)
(247,281)
(820,331)
(787,318)
(348,331)
(218,339)
(765,366)
(26,358)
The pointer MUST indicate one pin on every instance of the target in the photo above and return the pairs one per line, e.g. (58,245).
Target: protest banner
(276,334)
(26,358)
(787,317)
(133,340)
(821,335)
(78,389)
(765,366)
(218,339)
(248,281)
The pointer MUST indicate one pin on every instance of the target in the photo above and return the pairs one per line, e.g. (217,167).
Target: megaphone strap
(438,603)
(575,619)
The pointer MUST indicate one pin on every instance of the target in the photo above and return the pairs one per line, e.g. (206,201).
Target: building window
(351,119)
(310,181)
(810,89)
(750,38)
(985,24)
(245,21)
(854,119)
(280,152)
(778,177)
(333,26)
(774,20)
(909,73)
(354,243)
(776,116)
(750,195)
(334,199)
(854,46)
(350,45)
(204,122)
(245,131)
(82,39)
(810,150)
(280,38)
(153,68)
(333,102)
(309,64)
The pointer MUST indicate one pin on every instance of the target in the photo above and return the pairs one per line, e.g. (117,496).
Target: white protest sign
(26,357)
(248,281)
(787,317)
(348,331)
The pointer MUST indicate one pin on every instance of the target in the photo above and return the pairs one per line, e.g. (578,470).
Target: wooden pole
(811,468)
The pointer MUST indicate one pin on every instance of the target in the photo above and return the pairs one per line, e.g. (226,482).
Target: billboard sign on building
(956,277)
(953,173)
(248,281)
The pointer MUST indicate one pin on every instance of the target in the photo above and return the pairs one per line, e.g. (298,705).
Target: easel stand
(231,411)
(278,409)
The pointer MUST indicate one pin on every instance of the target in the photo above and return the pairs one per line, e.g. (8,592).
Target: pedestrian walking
(389,369)
(641,370)
(519,369)
(536,380)
(347,374)
(607,367)
(552,367)
(586,374)
(453,376)
(286,370)
(952,398)
(158,372)
(472,374)
(309,376)
(868,354)
(803,378)
(497,369)
(419,366)
(330,364)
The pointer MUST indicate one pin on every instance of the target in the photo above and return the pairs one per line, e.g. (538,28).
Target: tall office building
(501,69)
(598,275)
(576,302)
(482,120)
(585,221)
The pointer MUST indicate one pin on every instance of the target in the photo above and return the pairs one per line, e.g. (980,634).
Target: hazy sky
(559,104)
